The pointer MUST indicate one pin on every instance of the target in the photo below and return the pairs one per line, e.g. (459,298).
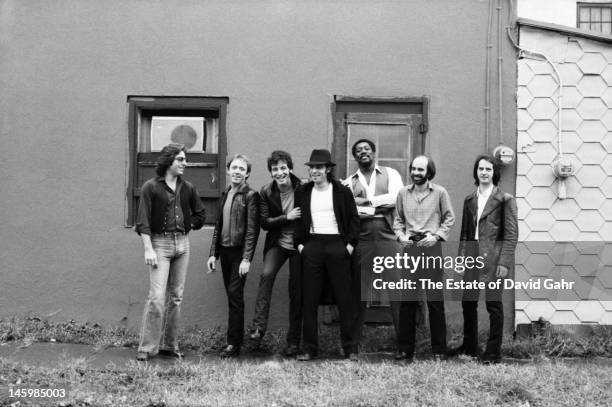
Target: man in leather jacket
(488,229)
(234,240)
(277,215)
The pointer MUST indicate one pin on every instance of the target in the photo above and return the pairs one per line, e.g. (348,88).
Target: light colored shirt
(395,184)
(483,197)
(430,213)
(322,212)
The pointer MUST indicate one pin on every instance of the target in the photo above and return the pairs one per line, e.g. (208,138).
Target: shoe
(256,335)
(304,357)
(353,357)
(462,350)
(401,355)
(172,353)
(291,350)
(142,356)
(489,359)
(230,351)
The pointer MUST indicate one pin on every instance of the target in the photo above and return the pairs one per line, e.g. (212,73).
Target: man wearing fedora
(326,236)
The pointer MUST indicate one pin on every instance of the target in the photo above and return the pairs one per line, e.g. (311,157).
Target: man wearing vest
(375,191)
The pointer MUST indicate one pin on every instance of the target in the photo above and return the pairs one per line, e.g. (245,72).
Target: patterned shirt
(430,212)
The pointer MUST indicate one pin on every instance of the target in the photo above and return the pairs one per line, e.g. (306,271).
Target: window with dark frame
(594,17)
(199,123)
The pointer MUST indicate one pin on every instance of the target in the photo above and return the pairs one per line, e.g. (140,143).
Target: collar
(413,185)
(356,173)
(243,188)
(490,192)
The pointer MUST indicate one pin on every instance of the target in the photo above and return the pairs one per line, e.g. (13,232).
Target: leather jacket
(497,230)
(244,222)
(271,215)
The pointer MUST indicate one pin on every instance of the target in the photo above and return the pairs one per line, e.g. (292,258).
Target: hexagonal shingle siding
(578,229)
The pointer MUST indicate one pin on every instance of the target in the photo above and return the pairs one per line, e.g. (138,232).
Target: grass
(547,343)
(546,381)
(329,383)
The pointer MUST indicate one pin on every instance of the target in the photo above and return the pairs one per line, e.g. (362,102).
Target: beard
(418,180)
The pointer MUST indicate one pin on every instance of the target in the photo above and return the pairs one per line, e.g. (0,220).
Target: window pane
(584,15)
(596,27)
(606,28)
(606,15)
(585,26)
(184,130)
(394,144)
(595,15)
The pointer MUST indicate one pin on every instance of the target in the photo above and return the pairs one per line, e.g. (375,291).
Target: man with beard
(234,241)
(488,229)
(326,235)
(277,215)
(375,191)
(424,217)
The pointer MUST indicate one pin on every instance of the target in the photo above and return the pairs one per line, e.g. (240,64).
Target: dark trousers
(234,288)
(325,258)
(495,308)
(273,261)
(435,306)
(376,238)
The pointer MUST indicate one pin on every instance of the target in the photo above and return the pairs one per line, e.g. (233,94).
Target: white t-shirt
(483,197)
(322,212)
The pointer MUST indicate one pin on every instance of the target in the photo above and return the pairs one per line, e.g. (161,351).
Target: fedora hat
(320,157)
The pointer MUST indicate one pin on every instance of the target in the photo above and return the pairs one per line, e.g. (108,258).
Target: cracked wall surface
(565,238)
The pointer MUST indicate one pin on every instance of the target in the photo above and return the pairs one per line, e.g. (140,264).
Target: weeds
(546,343)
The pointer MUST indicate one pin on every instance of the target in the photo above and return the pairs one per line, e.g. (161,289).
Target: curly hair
(278,155)
(167,156)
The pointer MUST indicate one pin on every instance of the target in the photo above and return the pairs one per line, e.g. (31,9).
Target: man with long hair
(169,208)
(488,229)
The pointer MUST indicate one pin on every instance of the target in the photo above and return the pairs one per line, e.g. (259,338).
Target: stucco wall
(565,238)
(68,66)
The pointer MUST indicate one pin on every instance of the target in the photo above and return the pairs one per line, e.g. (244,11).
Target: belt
(170,234)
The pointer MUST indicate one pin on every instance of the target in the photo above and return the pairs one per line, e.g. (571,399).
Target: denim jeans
(166,283)
(273,261)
